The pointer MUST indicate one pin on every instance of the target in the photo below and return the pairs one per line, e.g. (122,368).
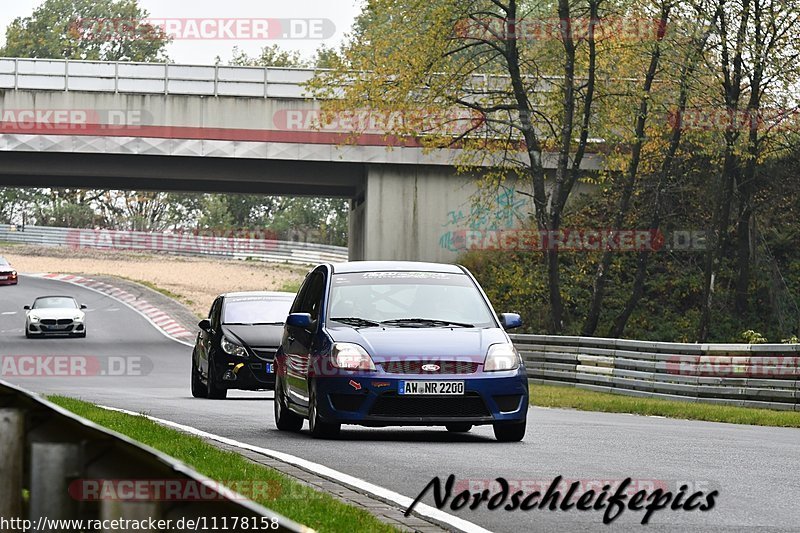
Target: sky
(330,19)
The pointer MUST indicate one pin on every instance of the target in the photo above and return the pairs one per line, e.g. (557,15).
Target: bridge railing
(748,375)
(153,78)
(231,247)
(54,464)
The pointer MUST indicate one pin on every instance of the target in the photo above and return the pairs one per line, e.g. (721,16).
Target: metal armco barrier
(748,375)
(45,449)
(298,253)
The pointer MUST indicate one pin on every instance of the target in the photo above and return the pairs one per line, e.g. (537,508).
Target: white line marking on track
(9,313)
(345,479)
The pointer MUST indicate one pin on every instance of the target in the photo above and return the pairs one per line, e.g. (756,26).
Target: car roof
(394,266)
(275,295)
(55,296)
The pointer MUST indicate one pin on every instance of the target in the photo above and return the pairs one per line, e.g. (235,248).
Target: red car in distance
(8,276)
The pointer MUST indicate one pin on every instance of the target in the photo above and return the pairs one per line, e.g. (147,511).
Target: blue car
(388,343)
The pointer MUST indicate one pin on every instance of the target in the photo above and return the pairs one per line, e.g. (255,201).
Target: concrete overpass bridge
(233,129)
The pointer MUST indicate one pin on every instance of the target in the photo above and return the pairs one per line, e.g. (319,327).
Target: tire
(81,335)
(212,391)
(198,389)
(319,429)
(510,432)
(285,420)
(458,427)
(28,334)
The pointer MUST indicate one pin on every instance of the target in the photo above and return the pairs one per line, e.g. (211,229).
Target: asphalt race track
(755,469)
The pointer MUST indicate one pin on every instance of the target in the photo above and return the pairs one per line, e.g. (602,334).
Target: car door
(300,341)
(206,338)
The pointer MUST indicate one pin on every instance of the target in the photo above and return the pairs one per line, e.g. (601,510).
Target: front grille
(53,322)
(507,402)
(347,402)
(415,367)
(265,354)
(469,405)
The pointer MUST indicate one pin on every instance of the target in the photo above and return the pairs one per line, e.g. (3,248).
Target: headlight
(351,356)
(34,318)
(13,273)
(501,357)
(78,318)
(232,348)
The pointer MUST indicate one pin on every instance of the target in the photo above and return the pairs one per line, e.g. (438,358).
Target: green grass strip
(285,496)
(586,400)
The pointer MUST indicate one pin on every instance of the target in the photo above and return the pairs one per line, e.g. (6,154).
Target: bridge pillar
(412,212)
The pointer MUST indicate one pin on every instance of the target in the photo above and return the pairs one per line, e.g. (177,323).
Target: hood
(56,313)
(422,343)
(256,336)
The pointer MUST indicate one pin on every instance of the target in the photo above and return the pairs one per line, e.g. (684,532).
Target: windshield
(406,296)
(255,310)
(4,262)
(55,302)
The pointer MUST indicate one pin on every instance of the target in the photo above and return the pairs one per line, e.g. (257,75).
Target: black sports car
(236,346)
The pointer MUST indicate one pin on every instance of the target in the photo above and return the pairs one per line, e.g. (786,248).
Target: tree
(474,60)
(100,30)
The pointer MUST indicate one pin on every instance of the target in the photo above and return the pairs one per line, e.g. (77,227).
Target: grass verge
(285,496)
(585,400)
(165,292)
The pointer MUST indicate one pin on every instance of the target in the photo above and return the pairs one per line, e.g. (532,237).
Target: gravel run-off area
(193,281)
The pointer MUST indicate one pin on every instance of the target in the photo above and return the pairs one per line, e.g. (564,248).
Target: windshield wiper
(356,321)
(422,322)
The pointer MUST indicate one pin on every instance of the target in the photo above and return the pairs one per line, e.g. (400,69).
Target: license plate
(440,388)
(270,367)
(3,278)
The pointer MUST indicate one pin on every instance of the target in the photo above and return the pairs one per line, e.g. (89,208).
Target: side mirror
(205,324)
(510,320)
(27,308)
(299,320)
(83,306)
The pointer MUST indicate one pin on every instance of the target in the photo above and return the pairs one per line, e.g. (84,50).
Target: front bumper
(9,281)
(251,375)
(374,400)
(37,328)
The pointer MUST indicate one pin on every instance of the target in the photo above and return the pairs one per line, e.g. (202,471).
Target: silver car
(55,315)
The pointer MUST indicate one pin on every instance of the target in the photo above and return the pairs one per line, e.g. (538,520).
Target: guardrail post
(12,448)
(132,510)
(53,466)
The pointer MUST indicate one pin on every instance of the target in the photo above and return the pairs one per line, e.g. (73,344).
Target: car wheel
(285,420)
(214,392)
(510,432)
(81,335)
(458,428)
(28,334)
(198,389)
(318,427)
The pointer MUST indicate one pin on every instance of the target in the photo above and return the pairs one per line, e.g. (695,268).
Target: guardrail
(48,453)
(153,78)
(748,375)
(298,253)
